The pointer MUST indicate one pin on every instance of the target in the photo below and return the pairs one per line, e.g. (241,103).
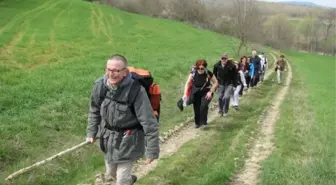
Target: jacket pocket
(121,111)
(128,146)
(104,141)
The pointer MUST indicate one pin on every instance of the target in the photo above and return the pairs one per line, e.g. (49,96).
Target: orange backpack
(146,80)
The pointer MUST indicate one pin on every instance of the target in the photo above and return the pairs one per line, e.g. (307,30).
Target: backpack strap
(133,93)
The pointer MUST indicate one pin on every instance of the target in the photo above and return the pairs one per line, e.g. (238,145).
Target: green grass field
(50,54)
(220,150)
(305,133)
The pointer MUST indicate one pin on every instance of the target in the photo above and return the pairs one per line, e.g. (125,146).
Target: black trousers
(248,80)
(255,79)
(201,107)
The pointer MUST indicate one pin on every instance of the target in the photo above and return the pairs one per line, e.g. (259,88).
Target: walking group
(124,108)
(229,78)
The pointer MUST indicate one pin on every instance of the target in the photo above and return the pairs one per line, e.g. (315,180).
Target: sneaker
(236,108)
(134,179)
(225,114)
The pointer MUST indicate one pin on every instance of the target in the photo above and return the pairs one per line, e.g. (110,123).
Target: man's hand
(148,161)
(90,139)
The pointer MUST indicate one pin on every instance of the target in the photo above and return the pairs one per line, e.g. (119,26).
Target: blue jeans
(224,93)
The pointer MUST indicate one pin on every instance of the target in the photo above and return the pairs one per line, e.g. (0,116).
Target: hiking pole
(21,171)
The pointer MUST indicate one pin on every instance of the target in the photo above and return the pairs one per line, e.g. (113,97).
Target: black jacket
(225,75)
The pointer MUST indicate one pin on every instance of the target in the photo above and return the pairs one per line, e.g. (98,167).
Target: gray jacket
(120,146)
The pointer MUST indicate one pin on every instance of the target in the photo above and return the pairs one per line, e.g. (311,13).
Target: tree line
(248,20)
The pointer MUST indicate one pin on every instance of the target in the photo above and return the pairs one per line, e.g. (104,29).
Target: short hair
(201,62)
(120,58)
(254,52)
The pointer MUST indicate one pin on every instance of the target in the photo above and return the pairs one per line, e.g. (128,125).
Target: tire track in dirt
(56,19)
(93,24)
(6,52)
(172,141)
(40,59)
(97,13)
(268,72)
(44,58)
(107,28)
(264,145)
(24,15)
(30,45)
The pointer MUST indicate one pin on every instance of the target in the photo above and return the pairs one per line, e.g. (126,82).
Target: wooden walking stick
(23,170)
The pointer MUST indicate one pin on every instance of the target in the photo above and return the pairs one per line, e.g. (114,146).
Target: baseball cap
(225,55)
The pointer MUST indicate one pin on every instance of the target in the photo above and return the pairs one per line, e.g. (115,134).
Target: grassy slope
(50,54)
(219,152)
(305,133)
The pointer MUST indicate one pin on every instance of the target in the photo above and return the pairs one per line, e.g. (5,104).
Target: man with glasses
(226,74)
(121,109)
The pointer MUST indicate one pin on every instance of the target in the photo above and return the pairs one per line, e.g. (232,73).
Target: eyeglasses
(224,58)
(115,70)
(201,68)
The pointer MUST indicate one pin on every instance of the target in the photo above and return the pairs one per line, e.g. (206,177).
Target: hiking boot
(108,178)
(197,126)
(134,179)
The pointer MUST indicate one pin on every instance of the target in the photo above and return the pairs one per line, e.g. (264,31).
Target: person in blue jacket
(251,73)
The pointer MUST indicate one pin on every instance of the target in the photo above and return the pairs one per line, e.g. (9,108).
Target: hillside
(306,3)
(289,8)
(50,54)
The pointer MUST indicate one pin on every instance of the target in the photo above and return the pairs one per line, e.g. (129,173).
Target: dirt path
(179,137)
(264,145)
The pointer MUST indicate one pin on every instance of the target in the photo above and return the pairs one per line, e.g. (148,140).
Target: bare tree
(246,21)
(279,32)
(328,18)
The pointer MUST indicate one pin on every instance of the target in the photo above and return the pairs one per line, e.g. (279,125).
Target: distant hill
(306,3)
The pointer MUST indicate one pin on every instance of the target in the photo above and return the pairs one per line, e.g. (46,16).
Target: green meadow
(51,52)
(305,134)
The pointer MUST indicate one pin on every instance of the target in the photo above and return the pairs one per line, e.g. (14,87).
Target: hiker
(241,84)
(124,117)
(263,64)
(226,73)
(203,86)
(280,67)
(255,60)
(244,66)
(251,73)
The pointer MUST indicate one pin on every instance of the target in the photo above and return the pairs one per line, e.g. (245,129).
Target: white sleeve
(242,77)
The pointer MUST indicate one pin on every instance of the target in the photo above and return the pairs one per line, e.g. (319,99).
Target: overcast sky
(329,3)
